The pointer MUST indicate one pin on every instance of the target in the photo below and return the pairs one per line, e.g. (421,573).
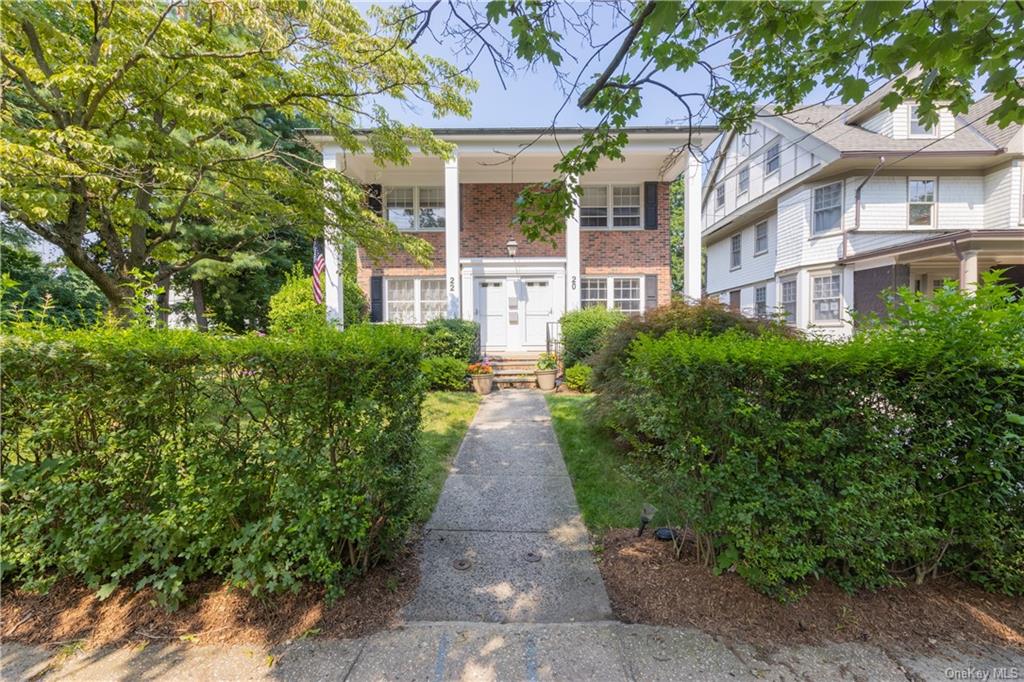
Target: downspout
(856,199)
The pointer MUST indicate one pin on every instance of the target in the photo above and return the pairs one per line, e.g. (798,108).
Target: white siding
(960,203)
(793,227)
(999,198)
(880,123)
(721,277)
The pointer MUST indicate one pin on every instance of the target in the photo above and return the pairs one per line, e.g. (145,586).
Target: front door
(491,305)
(537,300)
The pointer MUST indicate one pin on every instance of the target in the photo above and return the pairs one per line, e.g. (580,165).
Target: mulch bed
(213,614)
(646,584)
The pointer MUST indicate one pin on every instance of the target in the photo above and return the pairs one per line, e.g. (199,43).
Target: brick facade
(487,210)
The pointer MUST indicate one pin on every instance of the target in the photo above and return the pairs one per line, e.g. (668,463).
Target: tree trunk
(163,299)
(200,304)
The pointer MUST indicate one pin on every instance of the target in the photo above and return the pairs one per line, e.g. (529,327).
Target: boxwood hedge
(896,456)
(152,457)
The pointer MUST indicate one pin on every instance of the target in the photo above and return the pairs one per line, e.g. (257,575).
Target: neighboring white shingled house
(801,217)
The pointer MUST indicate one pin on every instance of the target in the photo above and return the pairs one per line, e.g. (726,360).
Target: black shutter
(650,206)
(650,291)
(377,299)
(373,199)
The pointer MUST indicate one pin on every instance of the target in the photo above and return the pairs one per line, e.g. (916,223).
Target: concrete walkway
(509,591)
(506,543)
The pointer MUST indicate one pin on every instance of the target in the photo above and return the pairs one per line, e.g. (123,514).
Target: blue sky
(532,97)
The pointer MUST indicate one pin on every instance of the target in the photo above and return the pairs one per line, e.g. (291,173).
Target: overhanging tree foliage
(744,53)
(144,138)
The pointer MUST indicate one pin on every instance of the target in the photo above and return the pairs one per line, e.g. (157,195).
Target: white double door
(514,312)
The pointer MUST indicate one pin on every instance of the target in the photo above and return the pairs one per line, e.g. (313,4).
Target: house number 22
(451,284)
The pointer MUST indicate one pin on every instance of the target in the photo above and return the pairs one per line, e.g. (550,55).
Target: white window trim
(767,238)
(767,148)
(610,289)
(720,195)
(764,288)
(911,119)
(935,202)
(416,295)
(739,186)
(842,206)
(609,226)
(739,265)
(780,303)
(838,322)
(415,207)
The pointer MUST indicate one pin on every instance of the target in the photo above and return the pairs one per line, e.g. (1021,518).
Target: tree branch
(590,93)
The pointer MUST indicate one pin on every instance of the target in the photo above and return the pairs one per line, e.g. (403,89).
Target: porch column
(692,227)
(969,271)
(453,282)
(334,290)
(572,256)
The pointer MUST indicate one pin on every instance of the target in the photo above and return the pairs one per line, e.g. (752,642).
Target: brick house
(816,213)
(614,251)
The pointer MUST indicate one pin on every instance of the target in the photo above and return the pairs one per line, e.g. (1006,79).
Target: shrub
(706,318)
(444,374)
(896,454)
(154,457)
(577,377)
(293,310)
(583,332)
(452,338)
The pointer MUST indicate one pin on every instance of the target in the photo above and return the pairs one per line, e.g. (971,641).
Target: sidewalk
(509,591)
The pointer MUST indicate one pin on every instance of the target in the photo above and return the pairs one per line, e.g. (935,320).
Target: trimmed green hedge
(445,374)
(584,331)
(897,455)
(151,458)
(452,338)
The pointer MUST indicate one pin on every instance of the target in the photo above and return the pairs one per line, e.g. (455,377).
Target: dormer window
(917,128)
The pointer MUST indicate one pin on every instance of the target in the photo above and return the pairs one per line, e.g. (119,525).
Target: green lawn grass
(446,417)
(609,493)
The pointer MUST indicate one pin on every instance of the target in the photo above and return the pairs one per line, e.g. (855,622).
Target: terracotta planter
(482,383)
(546,379)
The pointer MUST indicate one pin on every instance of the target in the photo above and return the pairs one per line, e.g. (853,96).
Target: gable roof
(830,124)
(977,117)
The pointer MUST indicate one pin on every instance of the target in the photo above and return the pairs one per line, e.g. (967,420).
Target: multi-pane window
(626,292)
(787,299)
(760,238)
(626,206)
(921,201)
(616,207)
(828,210)
(918,129)
(772,160)
(735,251)
(594,207)
(761,301)
(743,180)
(594,292)
(401,298)
(415,208)
(415,301)
(720,196)
(825,298)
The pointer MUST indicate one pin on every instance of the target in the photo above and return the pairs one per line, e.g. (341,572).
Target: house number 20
(574,282)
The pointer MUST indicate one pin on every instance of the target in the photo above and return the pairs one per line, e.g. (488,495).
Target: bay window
(787,298)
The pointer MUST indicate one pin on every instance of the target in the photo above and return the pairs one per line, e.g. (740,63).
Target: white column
(334,290)
(451,236)
(572,255)
(692,227)
(969,271)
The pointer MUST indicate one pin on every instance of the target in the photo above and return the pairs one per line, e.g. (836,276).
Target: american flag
(318,270)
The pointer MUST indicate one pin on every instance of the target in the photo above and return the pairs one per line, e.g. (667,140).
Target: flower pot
(482,383)
(546,379)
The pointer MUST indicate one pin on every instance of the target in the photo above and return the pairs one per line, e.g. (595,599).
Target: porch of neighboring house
(927,264)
